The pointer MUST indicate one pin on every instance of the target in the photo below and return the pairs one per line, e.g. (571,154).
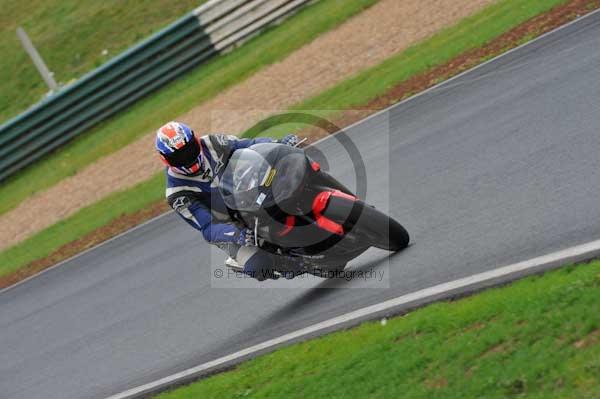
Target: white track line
(574,254)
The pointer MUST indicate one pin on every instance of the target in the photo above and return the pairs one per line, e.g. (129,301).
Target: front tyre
(381,230)
(370,225)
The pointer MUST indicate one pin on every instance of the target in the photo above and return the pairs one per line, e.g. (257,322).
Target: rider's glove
(246,238)
(291,139)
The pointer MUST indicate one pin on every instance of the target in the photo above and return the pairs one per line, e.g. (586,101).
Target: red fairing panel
(320,203)
(290,222)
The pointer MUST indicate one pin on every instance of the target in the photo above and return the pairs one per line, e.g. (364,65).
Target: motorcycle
(298,210)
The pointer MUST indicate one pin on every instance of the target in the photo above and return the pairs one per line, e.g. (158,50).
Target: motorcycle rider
(193,169)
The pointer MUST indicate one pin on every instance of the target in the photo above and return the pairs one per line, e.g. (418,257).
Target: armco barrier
(211,28)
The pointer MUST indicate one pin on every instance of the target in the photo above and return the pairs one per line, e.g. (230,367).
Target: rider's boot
(233,264)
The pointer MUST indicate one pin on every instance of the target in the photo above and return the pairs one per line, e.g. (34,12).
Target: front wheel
(381,230)
(372,226)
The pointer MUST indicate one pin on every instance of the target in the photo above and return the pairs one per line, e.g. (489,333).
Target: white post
(37,59)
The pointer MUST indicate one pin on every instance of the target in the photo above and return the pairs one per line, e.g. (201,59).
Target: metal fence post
(37,59)
(208,31)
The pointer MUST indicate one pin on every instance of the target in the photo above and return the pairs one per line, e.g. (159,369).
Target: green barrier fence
(211,28)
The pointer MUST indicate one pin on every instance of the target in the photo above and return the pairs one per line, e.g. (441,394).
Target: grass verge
(85,222)
(73,37)
(44,248)
(180,96)
(537,338)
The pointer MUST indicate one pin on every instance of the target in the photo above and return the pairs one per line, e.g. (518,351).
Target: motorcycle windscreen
(288,183)
(241,181)
(285,181)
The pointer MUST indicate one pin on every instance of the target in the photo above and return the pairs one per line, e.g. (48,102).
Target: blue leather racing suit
(196,199)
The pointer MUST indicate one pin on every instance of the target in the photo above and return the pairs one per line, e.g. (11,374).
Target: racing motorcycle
(298,210)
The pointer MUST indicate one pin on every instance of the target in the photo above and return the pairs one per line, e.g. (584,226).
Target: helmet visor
(184,156)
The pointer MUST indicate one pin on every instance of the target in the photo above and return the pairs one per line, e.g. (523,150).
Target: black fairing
(251,188)
(264,176)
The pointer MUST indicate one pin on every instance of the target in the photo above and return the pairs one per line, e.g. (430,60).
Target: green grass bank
(73,37)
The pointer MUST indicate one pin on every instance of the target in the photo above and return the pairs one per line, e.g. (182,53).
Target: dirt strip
(534,27)
(363,41)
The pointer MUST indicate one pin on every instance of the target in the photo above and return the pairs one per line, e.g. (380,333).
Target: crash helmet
(179,148)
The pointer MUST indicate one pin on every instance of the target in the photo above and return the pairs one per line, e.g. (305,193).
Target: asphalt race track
(497,166)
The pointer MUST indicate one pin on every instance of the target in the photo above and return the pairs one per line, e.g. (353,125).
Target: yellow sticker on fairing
(270,177)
